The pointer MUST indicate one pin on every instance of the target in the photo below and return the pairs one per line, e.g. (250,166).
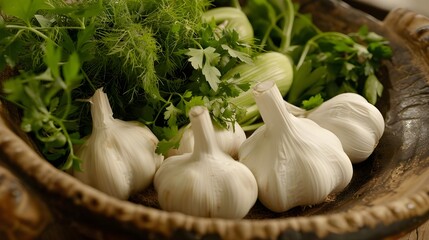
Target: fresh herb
(327,63)
(214,56)
(46,101)
(155,60)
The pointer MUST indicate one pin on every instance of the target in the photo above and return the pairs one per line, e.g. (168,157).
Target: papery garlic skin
(357,123)
(228,139)
(207,182)
(295,161)
(118,158)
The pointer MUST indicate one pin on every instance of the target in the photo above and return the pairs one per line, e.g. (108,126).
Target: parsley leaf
(23,9)
(45,99)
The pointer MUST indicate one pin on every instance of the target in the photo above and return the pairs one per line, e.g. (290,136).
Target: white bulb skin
(357,123)
(294,160)
(207,182)
(118,157)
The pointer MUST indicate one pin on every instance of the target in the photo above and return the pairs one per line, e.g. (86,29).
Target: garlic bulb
(228,139)
(119,157)
(206,182)
(295,161)
(357,123)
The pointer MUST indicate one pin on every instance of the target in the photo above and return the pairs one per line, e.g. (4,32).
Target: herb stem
(88,80)
(166,103)
(31,29)
(308,22)
(67,110)
(236,4)
(287,28)
(71,156)
(313,41)
(267,33)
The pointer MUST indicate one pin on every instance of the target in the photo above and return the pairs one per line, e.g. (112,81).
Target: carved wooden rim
(407,25)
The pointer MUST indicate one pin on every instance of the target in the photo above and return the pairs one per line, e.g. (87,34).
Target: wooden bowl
(388,195)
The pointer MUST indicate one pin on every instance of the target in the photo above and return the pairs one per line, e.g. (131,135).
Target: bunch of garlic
(294,160)
(207,182)
(229,140)
(357,123)
(119,157)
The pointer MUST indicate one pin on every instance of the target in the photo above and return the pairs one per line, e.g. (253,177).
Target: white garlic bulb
(207,182)
(357,123)
(295,161)
(228,139)
(118,158)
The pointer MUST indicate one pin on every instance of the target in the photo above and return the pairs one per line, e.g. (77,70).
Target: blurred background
(378,6)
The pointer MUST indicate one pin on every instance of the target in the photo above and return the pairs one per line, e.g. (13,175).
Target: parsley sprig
(216,54)
(46,101)
(327,63)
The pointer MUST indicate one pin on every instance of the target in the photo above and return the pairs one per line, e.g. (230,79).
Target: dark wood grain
(420,233)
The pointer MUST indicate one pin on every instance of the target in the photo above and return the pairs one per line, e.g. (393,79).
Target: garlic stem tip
(196,111)
(263,86)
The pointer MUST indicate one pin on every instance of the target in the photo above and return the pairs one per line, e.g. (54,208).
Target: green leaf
(53,58)
(54,104)
(71,71)
(211,56)
(212,75)
(13,50)
(363,30)
(305,78)
(171,113)
(312,102)
(197,57)
(172,137)
(69,162)
(89,9)
(23,9)
(244,57)
(14,89)
(187,94)
(43,21)
(84,36)
(80,9)
(372,89)
(67,43)
(380,50)
(77,162)
(195,101)
(2,22)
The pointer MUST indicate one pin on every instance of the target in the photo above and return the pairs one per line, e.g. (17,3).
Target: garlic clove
(207,182)
(295,161)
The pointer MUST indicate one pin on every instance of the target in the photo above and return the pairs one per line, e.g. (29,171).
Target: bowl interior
(399,165)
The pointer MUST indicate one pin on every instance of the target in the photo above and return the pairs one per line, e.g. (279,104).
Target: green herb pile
(157,58)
